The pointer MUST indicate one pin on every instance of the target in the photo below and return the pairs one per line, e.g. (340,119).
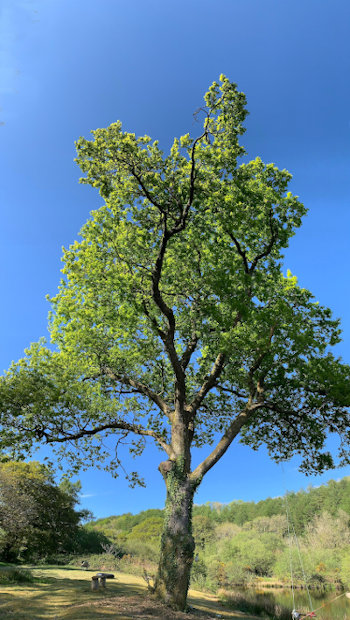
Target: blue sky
(69,67)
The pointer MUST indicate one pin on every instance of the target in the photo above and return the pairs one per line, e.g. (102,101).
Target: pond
(327,608)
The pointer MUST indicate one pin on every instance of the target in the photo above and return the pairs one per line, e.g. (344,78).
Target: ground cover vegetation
(174,322)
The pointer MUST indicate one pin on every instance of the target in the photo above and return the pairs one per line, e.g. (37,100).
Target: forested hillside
(240,542)
(303,507)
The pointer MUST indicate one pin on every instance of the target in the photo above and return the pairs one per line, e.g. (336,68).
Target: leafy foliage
(37,517)
(177,278)
(174,321)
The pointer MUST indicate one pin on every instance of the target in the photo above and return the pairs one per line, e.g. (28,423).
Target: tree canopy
(37,517)
(174,319)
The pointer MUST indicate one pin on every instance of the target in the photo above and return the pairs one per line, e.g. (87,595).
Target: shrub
(98,562)
(199,573)
(15,575)
(144,551)
(57,559)
(345,567)
(319,566)
(255,553)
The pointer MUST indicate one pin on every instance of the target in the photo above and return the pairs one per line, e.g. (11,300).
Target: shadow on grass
(63,598)
(58,597)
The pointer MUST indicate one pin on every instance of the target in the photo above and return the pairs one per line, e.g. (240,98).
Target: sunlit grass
(65,593)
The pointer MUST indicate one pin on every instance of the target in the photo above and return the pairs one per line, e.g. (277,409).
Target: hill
(244,542)
(303,506)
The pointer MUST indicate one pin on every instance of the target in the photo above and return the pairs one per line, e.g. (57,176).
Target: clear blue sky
(71,66)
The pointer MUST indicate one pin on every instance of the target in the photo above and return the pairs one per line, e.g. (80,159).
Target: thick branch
(139,387)
(224,443)
(208,384)
(240,252)
(181,222)
(145,190)
(190,349)
(260,359)
(156,275)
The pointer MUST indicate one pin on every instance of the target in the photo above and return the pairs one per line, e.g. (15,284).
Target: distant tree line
(303,506)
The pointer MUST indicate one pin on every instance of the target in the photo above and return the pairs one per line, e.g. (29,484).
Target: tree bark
(177,543)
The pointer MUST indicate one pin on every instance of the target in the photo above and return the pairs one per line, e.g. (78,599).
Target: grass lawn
(65,593)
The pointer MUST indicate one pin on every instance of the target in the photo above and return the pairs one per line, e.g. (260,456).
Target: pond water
(339,609)
(327,608)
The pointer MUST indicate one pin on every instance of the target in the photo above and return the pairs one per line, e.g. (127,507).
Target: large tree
(174,322)
(37,517)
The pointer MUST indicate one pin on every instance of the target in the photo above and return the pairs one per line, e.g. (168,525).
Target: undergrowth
(15,575)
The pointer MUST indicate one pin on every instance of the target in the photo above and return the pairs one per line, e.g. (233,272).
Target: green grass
(64,593)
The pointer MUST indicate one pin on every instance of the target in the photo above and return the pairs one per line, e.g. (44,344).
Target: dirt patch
(143,607)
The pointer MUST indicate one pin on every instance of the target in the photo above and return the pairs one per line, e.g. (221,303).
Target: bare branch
(208,384)
(268,248)
(139,387)
(118,424)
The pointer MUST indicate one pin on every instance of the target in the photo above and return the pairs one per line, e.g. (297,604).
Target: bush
(216,574)
(56,559)
(199,573)
(321,566)
(345,567)
(144,551)
(15,575)
(97,562)
(89,540)
(238,573)
(254,553)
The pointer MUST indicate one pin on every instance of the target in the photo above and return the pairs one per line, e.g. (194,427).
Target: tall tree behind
(174,322)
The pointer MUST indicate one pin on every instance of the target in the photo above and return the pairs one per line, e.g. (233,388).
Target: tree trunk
(177,544)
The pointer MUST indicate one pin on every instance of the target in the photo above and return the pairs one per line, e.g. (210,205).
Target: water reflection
(329,605)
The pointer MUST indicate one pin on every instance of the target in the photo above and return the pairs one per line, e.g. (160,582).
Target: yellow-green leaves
(181,266)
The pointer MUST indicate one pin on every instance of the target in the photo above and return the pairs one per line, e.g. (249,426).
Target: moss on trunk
(177,543)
